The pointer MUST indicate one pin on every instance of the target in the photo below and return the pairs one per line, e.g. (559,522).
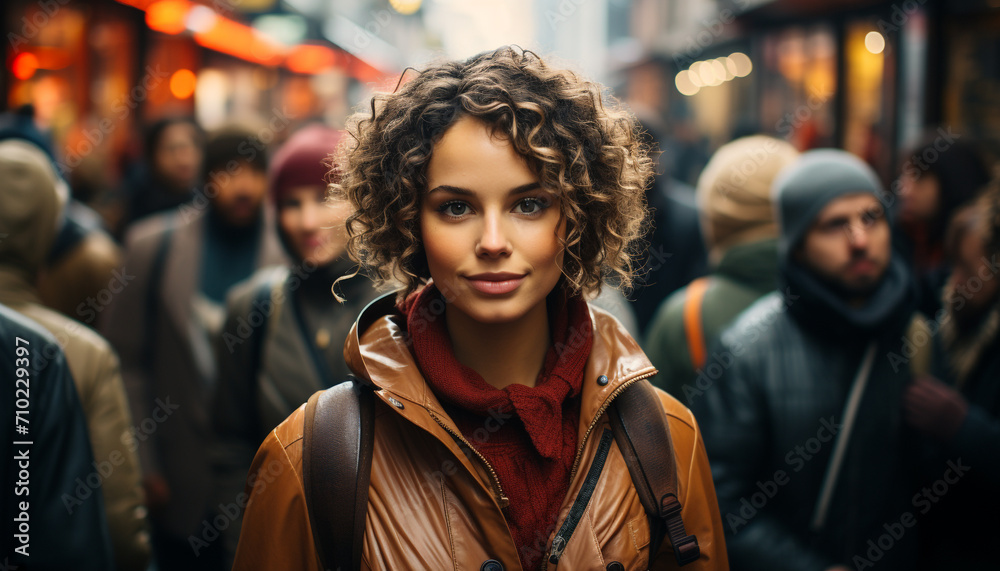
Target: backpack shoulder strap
(693,329)
(155,289)
(640,428)
(336,470)
(919,335)
(263,296)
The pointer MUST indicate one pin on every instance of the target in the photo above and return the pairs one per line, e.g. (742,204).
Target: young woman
(283,338)
(500,192)
(935,181)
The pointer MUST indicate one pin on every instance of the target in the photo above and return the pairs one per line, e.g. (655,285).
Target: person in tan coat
(501,193)
(32,197)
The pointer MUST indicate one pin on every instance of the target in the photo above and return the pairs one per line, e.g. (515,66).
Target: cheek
(287,220)
(331,223)
(541,244)
(824,250)
(881,240)
(927,194)
(443,245)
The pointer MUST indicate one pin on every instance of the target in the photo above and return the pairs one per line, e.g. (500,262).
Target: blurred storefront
(97,72)
(970,83)
(866,75)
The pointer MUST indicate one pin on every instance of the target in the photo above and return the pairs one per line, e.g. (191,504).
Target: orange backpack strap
(693,330)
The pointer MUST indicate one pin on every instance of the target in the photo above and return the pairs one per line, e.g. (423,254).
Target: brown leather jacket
(431,506)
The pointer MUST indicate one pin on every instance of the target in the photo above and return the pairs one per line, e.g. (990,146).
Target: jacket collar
(377,352)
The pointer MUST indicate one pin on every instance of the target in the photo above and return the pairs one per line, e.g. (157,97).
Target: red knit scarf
(527,434)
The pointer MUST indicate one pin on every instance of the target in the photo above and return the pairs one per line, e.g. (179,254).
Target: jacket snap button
(615,566)
(395,403)
(491,565)
(602,380)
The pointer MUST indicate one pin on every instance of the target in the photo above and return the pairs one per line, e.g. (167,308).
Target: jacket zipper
(582,499)
(494,480)
(555,551)
(600,412)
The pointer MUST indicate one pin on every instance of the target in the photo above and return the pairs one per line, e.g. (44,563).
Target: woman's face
(314,229)
(491,234)
(973,280)
(921,198)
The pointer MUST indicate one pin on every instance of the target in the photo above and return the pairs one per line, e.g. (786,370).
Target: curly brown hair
(582,146)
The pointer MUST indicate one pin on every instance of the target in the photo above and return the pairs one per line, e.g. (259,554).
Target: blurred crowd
(835,336)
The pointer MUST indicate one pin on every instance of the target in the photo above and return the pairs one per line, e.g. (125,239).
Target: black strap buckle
(685,546)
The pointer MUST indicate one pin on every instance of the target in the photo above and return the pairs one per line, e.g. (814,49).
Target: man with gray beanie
(803,429)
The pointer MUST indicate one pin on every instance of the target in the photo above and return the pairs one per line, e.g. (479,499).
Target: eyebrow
(466,192)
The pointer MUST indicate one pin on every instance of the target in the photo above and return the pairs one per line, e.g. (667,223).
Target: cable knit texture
(527,434)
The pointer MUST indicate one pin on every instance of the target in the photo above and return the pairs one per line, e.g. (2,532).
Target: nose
(493,242)
(857,234)
(310,216)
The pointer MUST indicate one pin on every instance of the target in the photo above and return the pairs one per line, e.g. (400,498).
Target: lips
(495,283)
(862,266)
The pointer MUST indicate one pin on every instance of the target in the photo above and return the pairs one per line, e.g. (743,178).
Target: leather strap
(921,361)
(693,329)
(843,437)
(640,428)
(336,470)
(153,294)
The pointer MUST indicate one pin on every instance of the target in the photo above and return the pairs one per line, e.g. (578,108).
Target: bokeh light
(24,65)
(875,42)
(183,83)
(685,83)
(168,16)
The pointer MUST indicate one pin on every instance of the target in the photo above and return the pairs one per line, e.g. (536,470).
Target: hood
(32,199)
(754,264)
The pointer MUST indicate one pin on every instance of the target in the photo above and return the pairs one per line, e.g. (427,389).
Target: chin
(861,286)
(491,313)
(492,310)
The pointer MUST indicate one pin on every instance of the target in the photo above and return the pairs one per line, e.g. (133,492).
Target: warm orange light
(311,59)
(182,83)
(140,4)
(224,35)
(168,16)
(241,41)
(24,65)
(52,58)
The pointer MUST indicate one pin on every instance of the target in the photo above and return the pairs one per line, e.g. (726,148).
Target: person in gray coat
(181,264)
(804,424)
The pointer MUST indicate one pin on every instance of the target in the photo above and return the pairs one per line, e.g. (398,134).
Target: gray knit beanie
(803,188)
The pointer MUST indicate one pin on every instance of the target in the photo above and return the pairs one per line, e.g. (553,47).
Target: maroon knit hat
(302,160)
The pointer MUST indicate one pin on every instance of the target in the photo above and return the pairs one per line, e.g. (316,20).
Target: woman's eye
(455,209)
(530,206)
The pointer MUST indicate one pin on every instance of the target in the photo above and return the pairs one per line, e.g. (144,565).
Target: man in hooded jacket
(809,373)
